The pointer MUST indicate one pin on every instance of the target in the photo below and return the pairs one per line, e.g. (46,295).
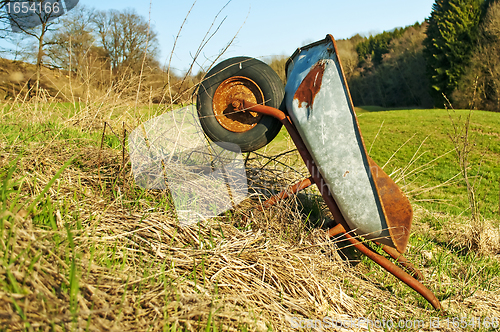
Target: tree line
(387,69)
(453,56)
(478,82)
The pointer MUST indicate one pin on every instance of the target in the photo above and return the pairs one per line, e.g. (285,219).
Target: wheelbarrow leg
(396,271)
(404,262)
(337,230)
(303,184)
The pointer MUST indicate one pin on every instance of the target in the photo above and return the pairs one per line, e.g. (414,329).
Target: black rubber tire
(269,83)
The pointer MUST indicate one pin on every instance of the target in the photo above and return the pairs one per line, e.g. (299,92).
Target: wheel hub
(233,89)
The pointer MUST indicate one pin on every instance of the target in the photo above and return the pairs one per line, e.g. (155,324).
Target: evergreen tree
(451,39)
(480,86)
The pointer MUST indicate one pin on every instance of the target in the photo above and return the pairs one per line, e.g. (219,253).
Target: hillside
(85,247)
(18,79)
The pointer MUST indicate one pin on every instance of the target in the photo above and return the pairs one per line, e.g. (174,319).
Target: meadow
(84,248)
(424,138)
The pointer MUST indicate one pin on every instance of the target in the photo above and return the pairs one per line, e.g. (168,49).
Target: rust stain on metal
(231,90)
(310,85)
(398,210)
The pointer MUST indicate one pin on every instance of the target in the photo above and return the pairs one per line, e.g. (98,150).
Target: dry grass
(458,232)
(186,276)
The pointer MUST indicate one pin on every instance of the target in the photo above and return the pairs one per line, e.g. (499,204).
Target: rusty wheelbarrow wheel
(235,79)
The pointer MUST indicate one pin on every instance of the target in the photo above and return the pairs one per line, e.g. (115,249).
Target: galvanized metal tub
(318,101)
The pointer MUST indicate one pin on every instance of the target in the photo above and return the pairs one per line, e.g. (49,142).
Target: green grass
(432,128)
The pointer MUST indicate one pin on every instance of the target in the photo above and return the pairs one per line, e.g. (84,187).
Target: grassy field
(420,137)
(83,248)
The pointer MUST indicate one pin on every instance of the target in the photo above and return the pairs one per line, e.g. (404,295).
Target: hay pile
(237,278)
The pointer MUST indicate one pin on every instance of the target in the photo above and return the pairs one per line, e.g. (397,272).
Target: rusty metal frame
(301,185)
(342,227)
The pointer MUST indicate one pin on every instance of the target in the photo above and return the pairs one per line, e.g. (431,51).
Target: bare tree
(124,36)
(73,41)
(75,47)
(6,33)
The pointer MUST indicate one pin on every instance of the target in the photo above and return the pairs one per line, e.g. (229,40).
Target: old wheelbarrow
(242,101)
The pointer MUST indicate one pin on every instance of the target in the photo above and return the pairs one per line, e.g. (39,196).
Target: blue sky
(267,27)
